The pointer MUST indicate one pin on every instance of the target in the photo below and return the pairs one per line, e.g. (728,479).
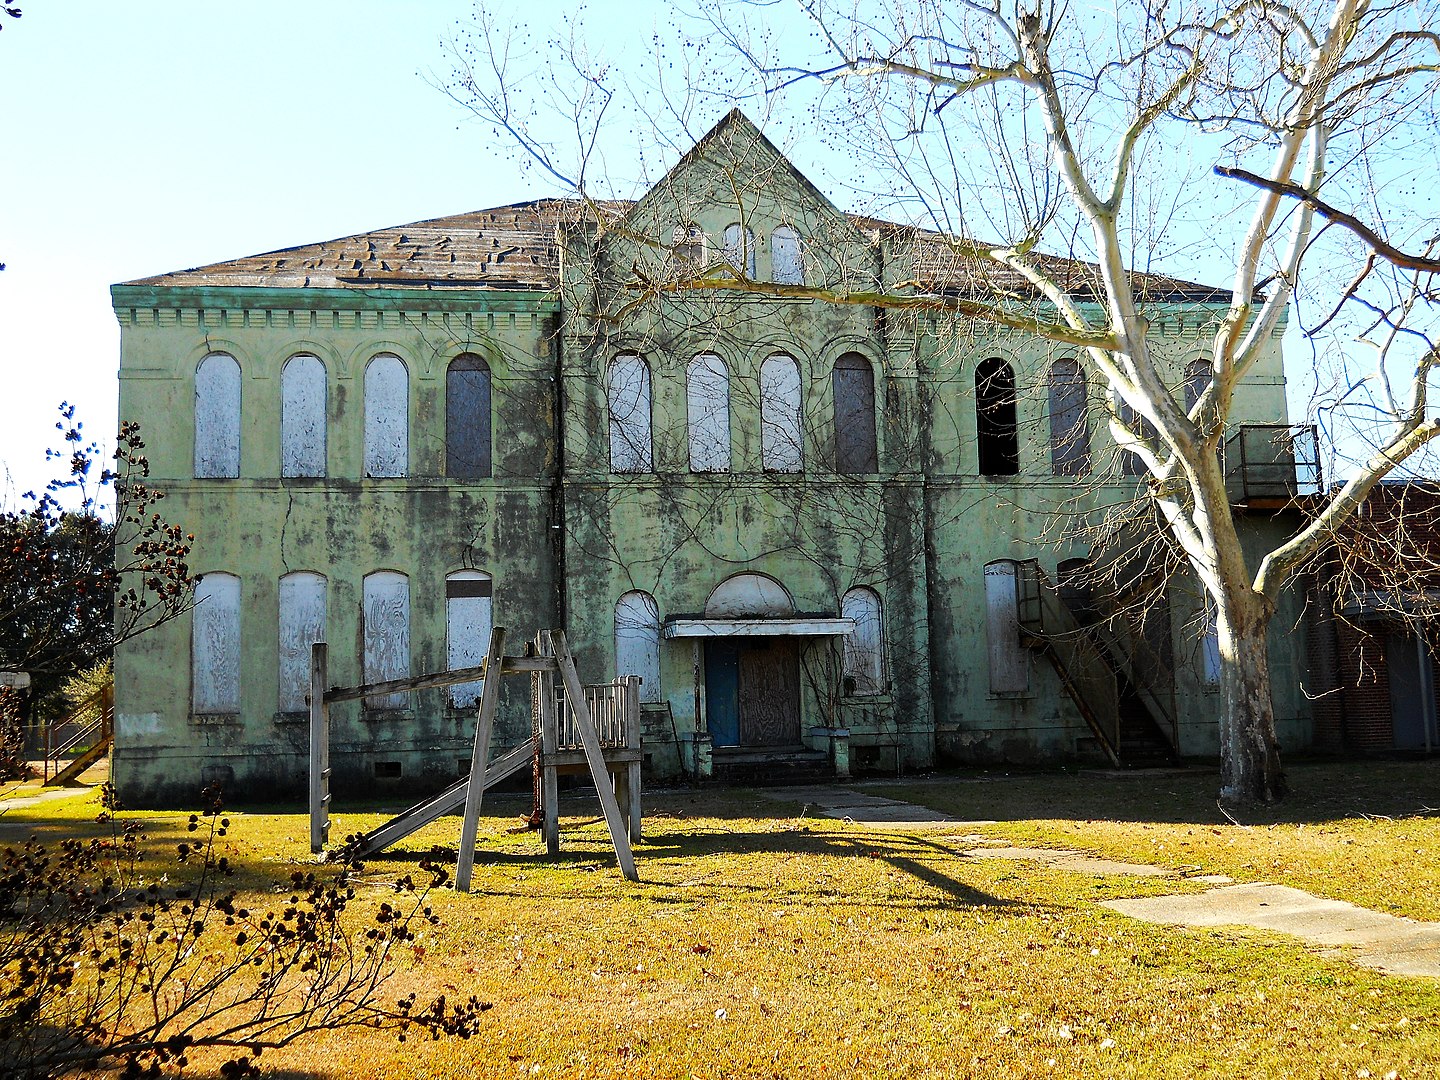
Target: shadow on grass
(1320,792)
(924,860)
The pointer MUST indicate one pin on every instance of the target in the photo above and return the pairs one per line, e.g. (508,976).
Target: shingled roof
(515,247)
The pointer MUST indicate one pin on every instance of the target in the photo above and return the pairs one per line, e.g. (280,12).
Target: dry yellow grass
(762,943)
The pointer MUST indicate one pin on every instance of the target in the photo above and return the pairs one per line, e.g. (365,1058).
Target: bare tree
(1095,136)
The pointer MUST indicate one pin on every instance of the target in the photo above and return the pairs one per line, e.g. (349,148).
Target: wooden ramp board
(437,806)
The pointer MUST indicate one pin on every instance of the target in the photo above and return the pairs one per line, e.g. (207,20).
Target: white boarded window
(387,417)
(740,248)
(302,623)
(217,417)
(302,417)
(787,264)
(688,246)
(215,645)
(707,396)
(637,641)
(386,617)
(780,426)
(1009,661)
(863,660)
(469,615)
(627,390)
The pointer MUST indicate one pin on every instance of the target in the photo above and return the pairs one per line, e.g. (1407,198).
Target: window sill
(292,718)
(1010,695)
(215,719)
(880,697)
(382,716)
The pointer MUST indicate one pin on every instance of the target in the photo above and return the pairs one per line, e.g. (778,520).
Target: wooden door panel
(769,693)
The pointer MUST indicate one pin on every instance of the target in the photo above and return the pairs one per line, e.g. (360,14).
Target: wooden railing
(615,707)
(90,723)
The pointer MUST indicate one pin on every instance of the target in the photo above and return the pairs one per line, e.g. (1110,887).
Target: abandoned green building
(824,535)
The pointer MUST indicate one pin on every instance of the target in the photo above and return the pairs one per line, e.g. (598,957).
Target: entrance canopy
(791,627)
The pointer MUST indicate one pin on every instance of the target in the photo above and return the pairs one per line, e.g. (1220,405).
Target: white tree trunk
(1249,753)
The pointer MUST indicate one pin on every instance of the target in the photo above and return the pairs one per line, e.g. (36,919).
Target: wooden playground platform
(574,727)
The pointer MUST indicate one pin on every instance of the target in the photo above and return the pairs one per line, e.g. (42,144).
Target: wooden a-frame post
(590,740)
(484,722)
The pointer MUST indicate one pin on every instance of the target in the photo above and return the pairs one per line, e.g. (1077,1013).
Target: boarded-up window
(217,417)
(787,261)
(627,390)
(853,383)
(780,425)
(387,417)
(707,397)
(1197,381)
(637,641)
(386,617)
(215,645)
(467,417)
(995,423)
(302,623)
(302,417)
(688,246)
(1069,423)
(469,616)
(740,249)
(1009,662)
(863,659)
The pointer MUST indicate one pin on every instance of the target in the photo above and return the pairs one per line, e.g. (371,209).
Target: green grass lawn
(763,942)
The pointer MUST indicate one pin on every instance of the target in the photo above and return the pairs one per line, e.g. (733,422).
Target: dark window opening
(995,422)
(387,770)
(853,383)
(467,418)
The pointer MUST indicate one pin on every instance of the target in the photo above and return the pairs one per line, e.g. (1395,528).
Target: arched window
(467,418)
(627,389)
(637,641)
(787,260)
(995,423)
(1197,380)
(387,417)
(469,616)
(707,398)
(217,417)
(863,652)
(385,614)
(215,645)
(302,416)
(1069,424)
(687,246)
(1009,661)
(781,440)
(853,385)
(302,623)
(740,248)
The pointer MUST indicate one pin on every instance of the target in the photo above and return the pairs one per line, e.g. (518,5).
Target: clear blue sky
(142,138)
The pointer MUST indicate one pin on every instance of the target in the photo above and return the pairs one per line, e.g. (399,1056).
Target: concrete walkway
(1369,938)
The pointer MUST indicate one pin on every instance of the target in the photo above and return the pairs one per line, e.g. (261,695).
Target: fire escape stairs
(1122,695)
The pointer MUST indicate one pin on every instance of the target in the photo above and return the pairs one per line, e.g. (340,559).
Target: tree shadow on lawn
(1320,792)
(685,860)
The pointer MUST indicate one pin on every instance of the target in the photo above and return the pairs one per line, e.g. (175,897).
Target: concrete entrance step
(772,764)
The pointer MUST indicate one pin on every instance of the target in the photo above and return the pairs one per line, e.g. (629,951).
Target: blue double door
(752,691)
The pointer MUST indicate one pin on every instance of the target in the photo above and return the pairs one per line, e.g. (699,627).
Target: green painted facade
(564,538)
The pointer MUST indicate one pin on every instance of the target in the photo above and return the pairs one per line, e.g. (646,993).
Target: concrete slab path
(1370,938)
